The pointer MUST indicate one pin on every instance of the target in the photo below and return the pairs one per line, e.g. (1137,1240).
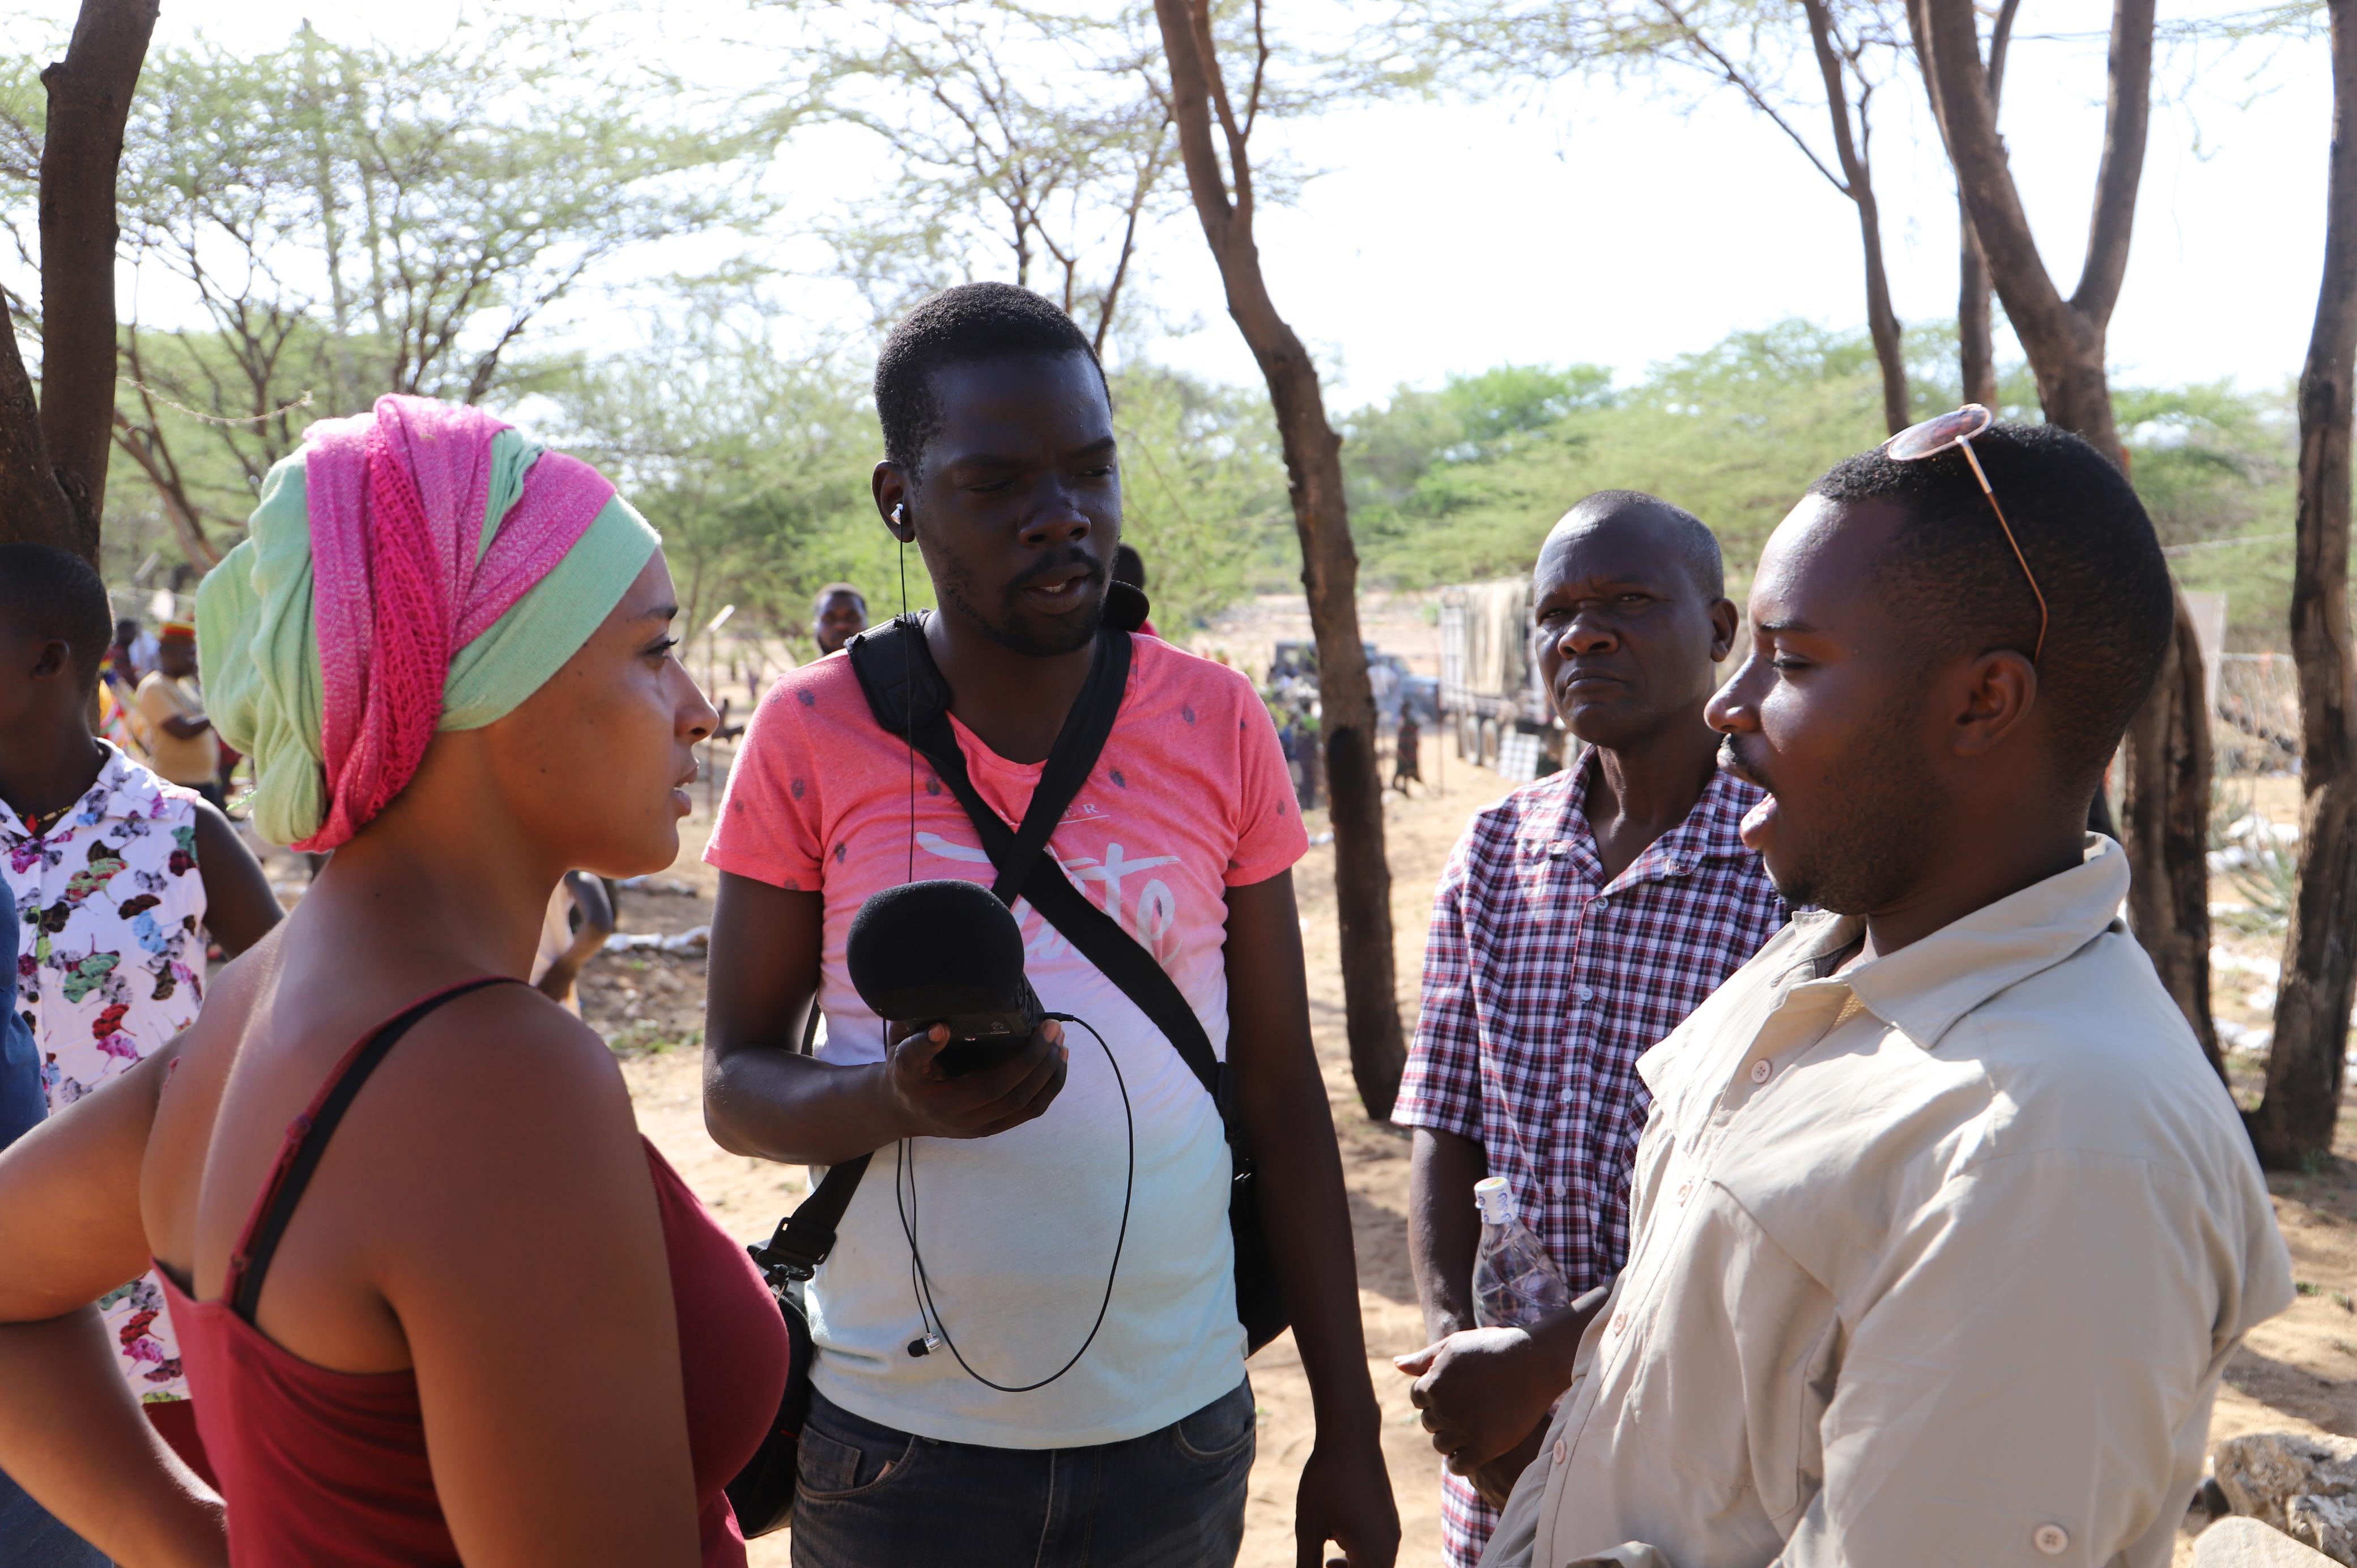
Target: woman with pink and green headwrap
(437,1300)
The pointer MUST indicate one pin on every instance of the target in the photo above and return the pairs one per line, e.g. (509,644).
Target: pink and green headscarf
(415,569)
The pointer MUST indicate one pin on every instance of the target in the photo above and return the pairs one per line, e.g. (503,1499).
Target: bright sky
(1618,226)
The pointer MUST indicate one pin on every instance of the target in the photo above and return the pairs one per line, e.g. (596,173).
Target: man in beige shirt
(181,739)
(1944,1230)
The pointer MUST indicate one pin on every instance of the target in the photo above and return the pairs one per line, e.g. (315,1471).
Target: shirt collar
(1924,988)
(115,774)
(1710,830)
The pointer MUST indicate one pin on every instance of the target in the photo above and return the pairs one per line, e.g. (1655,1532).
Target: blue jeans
(29,1538)
(870,1497)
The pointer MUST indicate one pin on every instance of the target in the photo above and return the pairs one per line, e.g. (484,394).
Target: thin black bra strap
(288,1191)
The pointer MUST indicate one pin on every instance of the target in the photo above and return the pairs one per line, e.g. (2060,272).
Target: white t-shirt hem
(1212,1381)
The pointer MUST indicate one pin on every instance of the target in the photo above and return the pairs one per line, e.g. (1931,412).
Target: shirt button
(1760,1072)
(1558,1451)
(1601,903)
(1619,1321)
(1686,1190)
(1582,992)
(2051,1538)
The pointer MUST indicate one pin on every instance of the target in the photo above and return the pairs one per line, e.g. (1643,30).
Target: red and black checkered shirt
(1542,987)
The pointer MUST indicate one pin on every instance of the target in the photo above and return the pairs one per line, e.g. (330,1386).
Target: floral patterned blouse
(109,966)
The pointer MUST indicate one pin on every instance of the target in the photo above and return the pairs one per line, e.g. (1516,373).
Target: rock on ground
(2247,1543)
(2303,1485)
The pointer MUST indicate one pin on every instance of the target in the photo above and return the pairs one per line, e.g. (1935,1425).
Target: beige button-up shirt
(1937,1261)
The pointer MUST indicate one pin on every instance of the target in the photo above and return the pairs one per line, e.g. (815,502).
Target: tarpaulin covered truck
(1489,688)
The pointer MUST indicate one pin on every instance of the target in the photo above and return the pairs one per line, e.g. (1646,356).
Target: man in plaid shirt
(1579,920)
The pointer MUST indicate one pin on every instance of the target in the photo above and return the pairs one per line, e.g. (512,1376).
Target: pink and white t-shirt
(1189,799)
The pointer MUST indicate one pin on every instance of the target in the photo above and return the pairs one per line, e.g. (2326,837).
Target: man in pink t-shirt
(1016,1181)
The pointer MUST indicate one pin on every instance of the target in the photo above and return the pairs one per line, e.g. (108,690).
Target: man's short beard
(1886,835)
(1006,629)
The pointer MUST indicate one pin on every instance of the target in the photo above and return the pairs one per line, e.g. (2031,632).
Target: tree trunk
(82,153)
(1329,562)
(2165,823)
(2166,818)
(1975,334)
(1858,184)
(1881,321)
(33,508)
(2294,1121)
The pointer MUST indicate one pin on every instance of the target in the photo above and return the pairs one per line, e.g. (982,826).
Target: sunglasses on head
(1957,431)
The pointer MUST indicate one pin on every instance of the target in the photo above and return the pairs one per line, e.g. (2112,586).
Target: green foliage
(319,224)
(2217,468)
(1203,491)
(1463,483)
(753,467)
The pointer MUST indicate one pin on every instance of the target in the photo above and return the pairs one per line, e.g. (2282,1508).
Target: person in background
(838,615)
(180,740)
(580,918)
(1129,566)
(1001,465)
(133,651)
(441,1301)
(1407,743)
(30,1536)
(118,877)
(1945,1230)
(1577,922)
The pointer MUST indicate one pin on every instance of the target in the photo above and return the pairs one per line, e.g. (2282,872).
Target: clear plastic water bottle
(1514,1282)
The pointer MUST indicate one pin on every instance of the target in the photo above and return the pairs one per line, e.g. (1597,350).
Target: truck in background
(1489,687)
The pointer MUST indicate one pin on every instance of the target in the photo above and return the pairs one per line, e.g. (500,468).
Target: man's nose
(1057,521)
(1733,706)
(1588,632)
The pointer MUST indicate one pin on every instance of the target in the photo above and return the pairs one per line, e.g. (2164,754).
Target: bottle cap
(1494,1199)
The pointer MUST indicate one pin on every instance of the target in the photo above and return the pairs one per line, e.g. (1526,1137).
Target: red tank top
(326,1467)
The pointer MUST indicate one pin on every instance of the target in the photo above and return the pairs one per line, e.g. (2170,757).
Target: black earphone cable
(904,1159)
(904,1153)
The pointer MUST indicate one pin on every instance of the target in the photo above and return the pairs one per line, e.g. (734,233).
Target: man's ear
(2000,689)
(51,660)
(895,501)
(1725,620)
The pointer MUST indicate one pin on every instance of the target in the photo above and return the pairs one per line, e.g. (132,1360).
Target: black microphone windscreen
(935,950)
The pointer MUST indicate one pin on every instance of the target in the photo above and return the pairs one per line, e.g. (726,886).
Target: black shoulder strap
(271,1228)
(1095,934)
(896,672)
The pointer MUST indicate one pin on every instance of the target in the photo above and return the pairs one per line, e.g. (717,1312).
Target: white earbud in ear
(899,515)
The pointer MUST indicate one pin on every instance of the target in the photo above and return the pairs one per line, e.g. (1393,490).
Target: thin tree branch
(2127,114)
(1743,84)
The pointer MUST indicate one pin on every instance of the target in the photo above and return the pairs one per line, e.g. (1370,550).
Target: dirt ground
(2297,1372)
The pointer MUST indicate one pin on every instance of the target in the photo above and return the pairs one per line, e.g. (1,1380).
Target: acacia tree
(53,448)
(1035,141)
(2294,1119)
(1750,46)
(1976,340)
(403,224)
(2166,816)
(1215,142)
(1842,36)
(332,222)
